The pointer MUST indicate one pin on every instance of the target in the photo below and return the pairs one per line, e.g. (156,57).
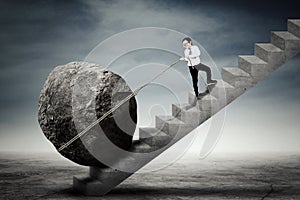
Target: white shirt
(194,57)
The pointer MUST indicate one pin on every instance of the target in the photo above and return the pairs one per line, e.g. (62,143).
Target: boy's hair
(187,39)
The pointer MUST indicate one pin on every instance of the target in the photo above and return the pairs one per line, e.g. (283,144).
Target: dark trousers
(194,73)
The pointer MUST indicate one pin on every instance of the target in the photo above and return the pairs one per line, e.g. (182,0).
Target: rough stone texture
(72,97)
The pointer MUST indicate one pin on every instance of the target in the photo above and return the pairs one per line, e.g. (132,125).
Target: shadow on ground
(49,176)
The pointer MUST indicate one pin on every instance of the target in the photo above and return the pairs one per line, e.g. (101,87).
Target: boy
(191,55)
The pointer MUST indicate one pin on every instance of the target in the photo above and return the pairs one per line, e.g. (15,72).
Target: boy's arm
(185,56)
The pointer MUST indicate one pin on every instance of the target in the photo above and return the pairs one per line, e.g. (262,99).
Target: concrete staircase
(188,116)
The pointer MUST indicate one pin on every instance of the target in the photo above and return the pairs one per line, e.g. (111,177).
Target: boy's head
(187,42)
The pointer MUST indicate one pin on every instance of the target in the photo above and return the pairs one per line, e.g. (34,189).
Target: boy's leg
(207,70)
(194,74)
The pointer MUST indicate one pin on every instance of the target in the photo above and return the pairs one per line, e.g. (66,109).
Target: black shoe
(212,82)
(202,94)
(206,91)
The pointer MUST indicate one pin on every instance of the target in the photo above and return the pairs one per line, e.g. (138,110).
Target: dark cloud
(35,36)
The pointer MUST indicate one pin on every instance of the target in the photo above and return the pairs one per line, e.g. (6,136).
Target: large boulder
(74,96)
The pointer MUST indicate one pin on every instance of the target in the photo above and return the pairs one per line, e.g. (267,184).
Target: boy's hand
(182,58)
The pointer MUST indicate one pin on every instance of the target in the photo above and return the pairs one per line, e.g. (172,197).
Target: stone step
(153,136)
(287,42)
(188,114)
(193,100)
(172,125)
(208,104)
(237,77)
(294,27)
(253,65)
(271,54)
(223,92)
(178,107)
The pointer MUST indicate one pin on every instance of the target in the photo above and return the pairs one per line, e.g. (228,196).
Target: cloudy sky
(36,36)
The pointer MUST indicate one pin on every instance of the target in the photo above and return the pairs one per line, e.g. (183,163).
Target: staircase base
(88,186)
(99,181)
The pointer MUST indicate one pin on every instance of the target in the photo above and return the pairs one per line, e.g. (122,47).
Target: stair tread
(207,97)
(294,27)
(193,109)
(182,106)
(268,47)
(223,84)
(285,35)
(252,59)
(236,71)
(295,21)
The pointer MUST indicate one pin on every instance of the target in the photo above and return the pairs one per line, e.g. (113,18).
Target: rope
(113,109)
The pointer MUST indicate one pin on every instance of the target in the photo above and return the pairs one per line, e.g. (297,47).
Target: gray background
(36,36)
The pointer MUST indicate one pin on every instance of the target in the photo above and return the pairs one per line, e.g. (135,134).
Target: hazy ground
(232,176)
